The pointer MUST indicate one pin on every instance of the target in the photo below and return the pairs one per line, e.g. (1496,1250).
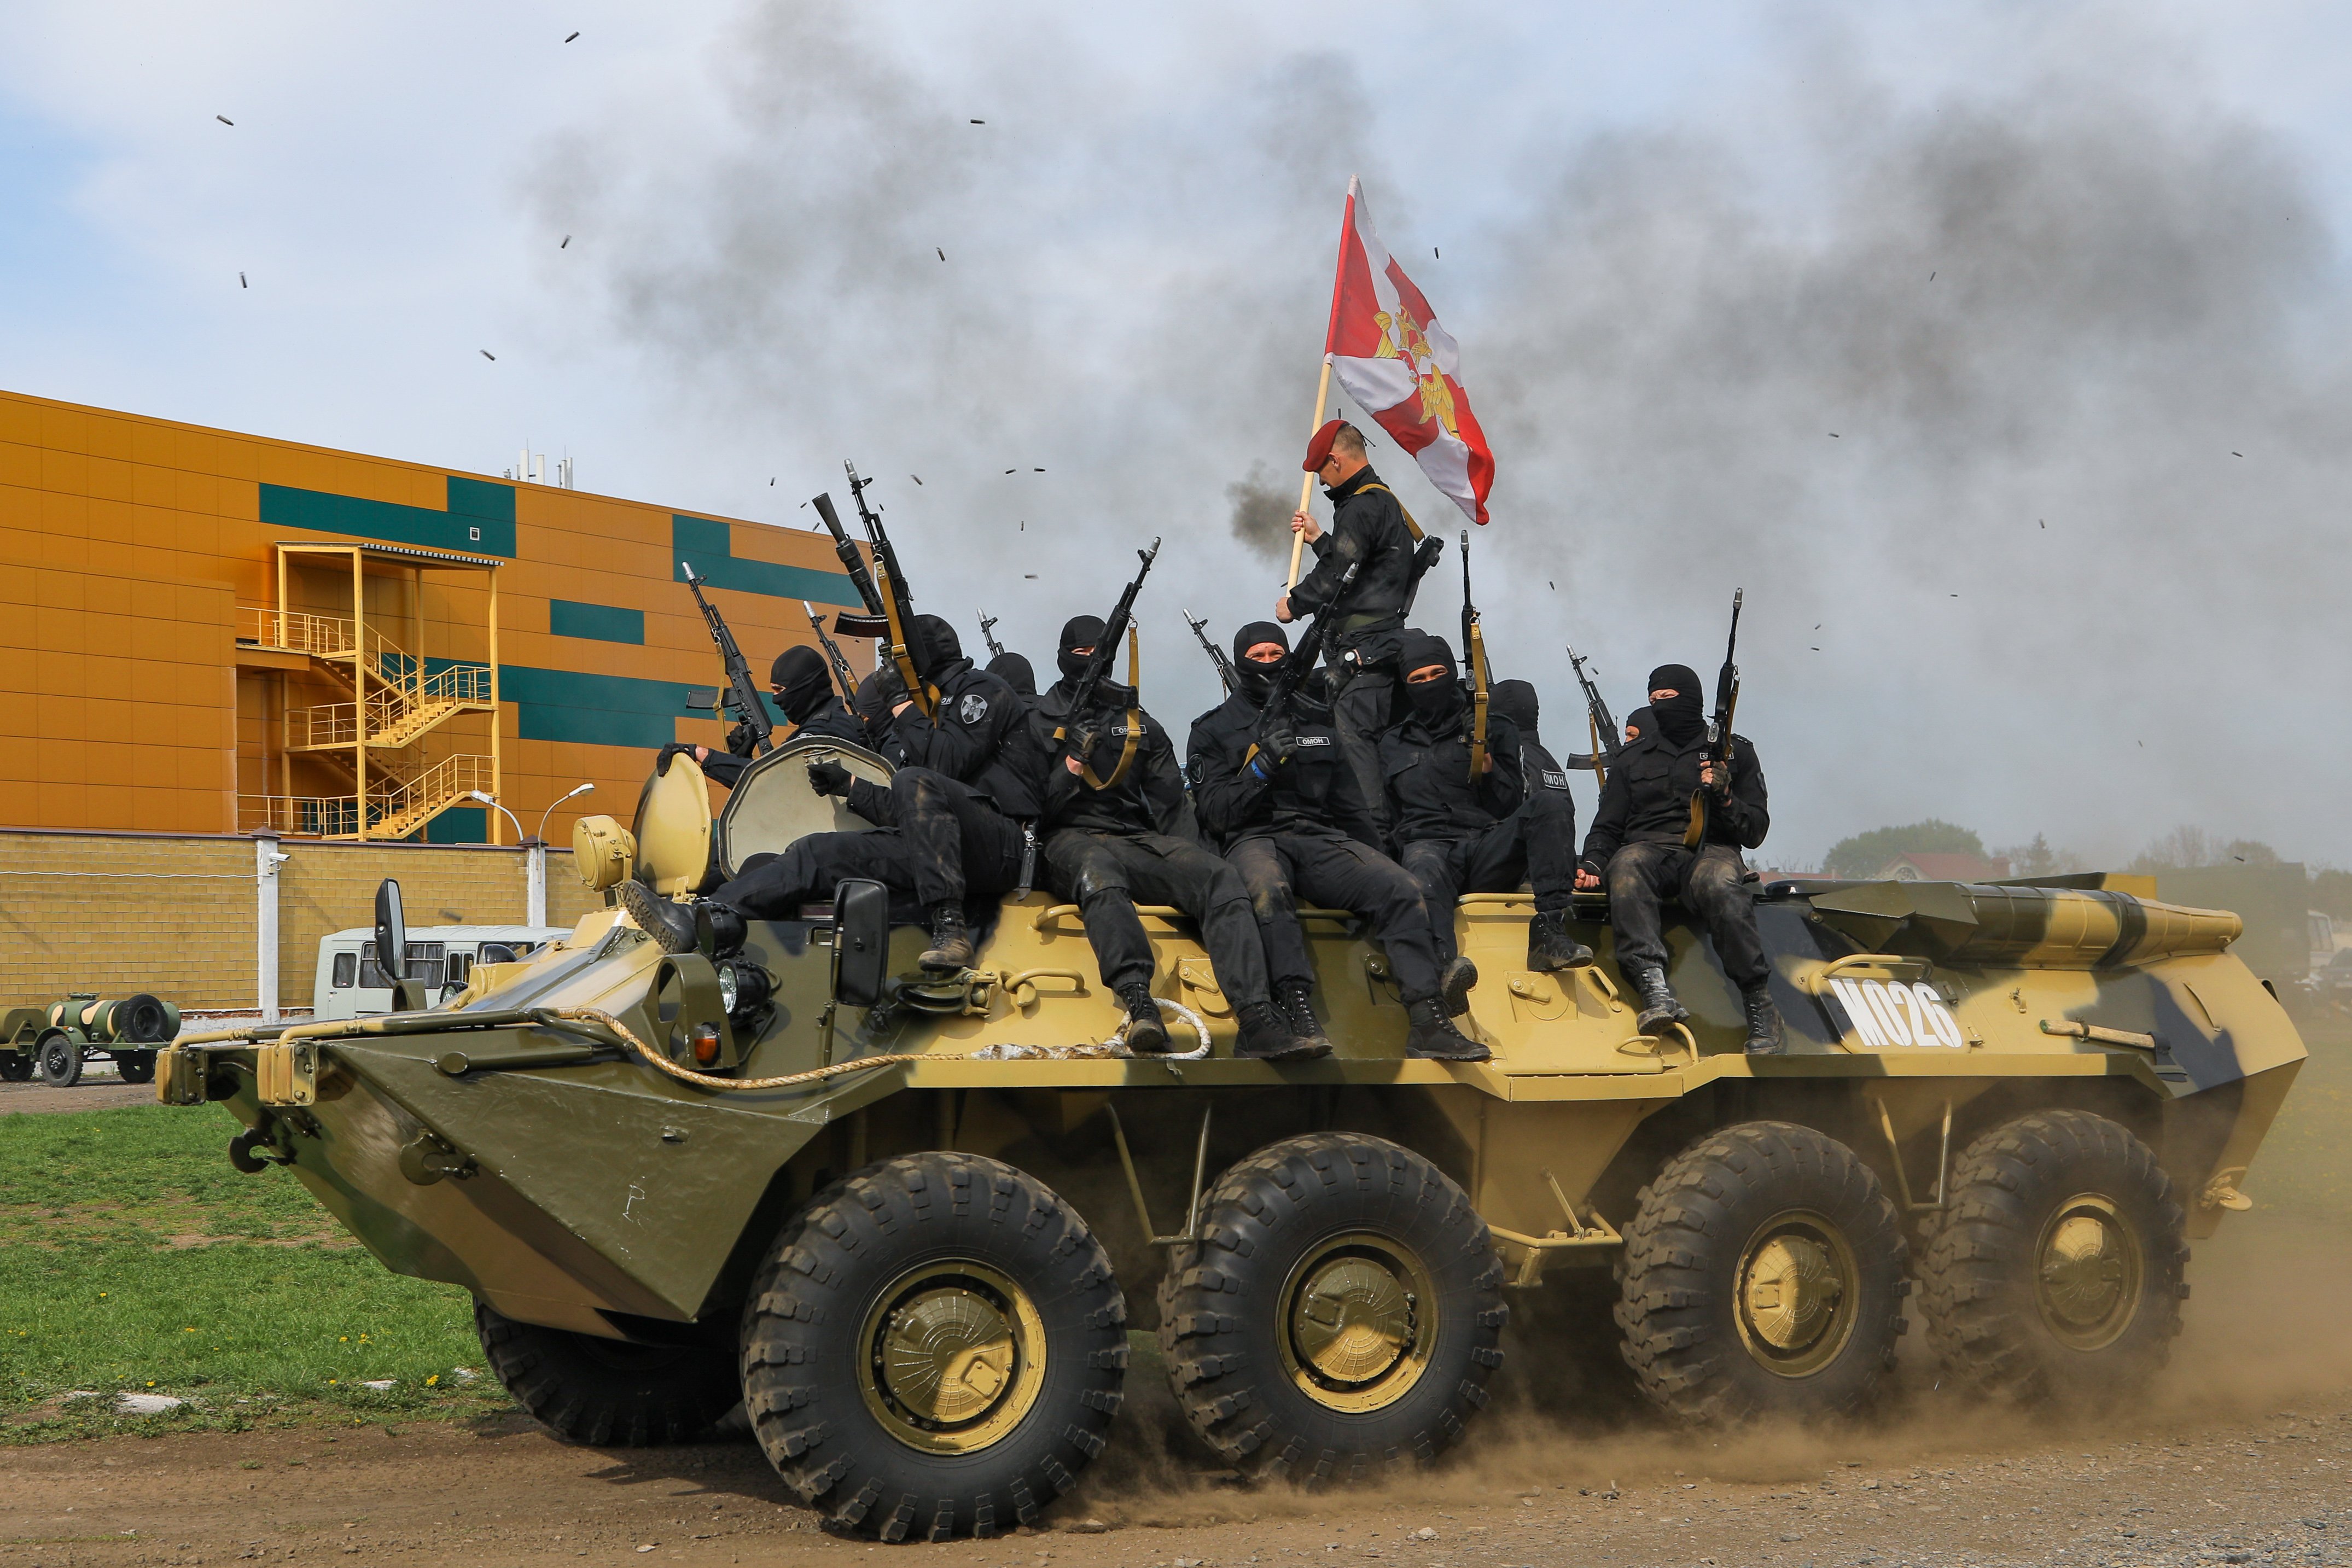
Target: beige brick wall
(177,917)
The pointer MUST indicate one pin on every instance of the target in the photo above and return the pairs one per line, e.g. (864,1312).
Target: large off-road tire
(2056,1270)
(61,1059)
(608,1393)
(1341,1312)
(934,1347)
(135,1066)
(1762,1276)
(16,1066)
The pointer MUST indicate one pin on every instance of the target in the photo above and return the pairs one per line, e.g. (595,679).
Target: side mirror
(391,933)
(861,942)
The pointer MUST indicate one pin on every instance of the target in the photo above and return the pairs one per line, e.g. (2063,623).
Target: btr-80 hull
(917,1272)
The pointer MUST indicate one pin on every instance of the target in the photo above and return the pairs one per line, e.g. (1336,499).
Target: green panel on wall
(593,710)
(485,525)
(710,545)
(566,618)
(459,825)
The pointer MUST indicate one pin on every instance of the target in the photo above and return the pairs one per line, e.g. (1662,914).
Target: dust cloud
(2019,412)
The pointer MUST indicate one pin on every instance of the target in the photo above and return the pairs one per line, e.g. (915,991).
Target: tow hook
(256,1149)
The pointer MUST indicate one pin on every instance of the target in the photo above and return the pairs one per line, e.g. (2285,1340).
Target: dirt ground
(2242,1455)
(94,1092)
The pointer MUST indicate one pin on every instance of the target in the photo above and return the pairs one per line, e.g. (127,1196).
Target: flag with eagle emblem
(1387,350)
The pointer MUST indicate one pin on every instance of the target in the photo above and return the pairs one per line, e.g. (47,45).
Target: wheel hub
(2087,1273)
(955,1355)
(1794,1294)
(1356,1329)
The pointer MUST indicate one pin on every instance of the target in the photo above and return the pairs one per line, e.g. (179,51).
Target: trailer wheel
(933,1348)
(1341,1312)
(2056,1270)
(135,1066)
(16,1066)
(61,1059)
(1762,1276)
(607,1393)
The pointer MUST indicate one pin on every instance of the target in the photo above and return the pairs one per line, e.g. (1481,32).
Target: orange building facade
(213,632)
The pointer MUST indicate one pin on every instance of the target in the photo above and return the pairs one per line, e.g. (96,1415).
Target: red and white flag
(1402,368)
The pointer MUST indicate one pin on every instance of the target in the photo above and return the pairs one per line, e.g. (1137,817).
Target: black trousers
(1708,882)
(1359,712)
(1108,874)
(1328,869)
(1524,848)
(948,847)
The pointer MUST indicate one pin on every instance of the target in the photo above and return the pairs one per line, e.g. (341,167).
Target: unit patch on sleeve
(974,708)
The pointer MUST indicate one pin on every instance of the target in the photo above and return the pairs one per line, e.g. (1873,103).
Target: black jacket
(1368,525)
(1647,798)
(1428,777)
(1238,800)
(1149,800)
(976,738)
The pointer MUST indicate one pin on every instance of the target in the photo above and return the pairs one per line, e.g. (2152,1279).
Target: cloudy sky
(1997,351)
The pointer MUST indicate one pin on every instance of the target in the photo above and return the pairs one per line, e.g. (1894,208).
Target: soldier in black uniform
(1636,845)
(1456,835)
(957,806)
(1368,525)
(1273,792)
(804,690)
(1548,810)
(1014,670)
(1111,803)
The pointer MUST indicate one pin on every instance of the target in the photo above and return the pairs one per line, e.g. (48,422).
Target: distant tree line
(1867,855)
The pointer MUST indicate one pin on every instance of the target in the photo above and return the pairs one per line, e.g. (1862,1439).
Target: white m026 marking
(1883,1014)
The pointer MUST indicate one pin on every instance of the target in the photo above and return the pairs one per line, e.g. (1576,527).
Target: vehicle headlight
(730,986)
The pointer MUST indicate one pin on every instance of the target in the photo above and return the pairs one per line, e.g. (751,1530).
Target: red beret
(1320,447)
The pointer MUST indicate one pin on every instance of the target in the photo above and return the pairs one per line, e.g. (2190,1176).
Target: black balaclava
(1257,679)
(878,693)
(1516,701)
(1438,703)
(1014,670)
(1682,718)
(1078,631)
(934,646)
(806,686)
(1642,719)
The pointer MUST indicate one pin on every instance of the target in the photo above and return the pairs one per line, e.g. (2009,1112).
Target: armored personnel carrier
(908,1222)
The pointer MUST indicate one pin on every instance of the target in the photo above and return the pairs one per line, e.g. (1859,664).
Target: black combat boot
(1660,1012)
(1433,1038)
(1267,1036)
(1549,946)
(1763,1022)
(1146,1035)
(1293,1001)
(671,925)
(1453,986)
(950,947)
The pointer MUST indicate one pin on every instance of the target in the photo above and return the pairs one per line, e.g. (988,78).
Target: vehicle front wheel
(608,1393)
(2056,1271)
(135,1066)
(934,1347)
(60,1058)
(1762,1276)
(1341,1311)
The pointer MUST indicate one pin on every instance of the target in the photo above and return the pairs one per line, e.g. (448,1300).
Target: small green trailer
(57,1040)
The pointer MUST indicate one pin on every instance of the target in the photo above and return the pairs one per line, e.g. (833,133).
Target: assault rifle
(1474,660)
(988,635)
(1299,662)
(843,677)
(898,605)
(1719,729)
(1607,740)
(1217,654)
(874,622)
(1097,670)
(741,694)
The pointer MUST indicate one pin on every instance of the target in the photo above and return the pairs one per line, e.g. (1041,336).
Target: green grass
(2303,1166)
(133,1256)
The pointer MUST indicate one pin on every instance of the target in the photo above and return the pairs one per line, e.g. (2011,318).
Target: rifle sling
(1134,723)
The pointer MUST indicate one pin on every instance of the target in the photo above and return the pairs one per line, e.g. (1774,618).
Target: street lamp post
(538,850)
(534,861)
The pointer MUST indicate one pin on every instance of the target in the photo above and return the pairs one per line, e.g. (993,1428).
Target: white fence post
(266,862)
(535,869)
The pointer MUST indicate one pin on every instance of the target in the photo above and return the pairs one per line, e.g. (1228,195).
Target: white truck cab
(348,984)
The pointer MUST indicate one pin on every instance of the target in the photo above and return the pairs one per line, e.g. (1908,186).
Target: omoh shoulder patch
(974,708)
(1554,779)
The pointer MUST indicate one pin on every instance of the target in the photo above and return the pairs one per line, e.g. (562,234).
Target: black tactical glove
(828,777)
(1276,742)
(675,749)
(743,740)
